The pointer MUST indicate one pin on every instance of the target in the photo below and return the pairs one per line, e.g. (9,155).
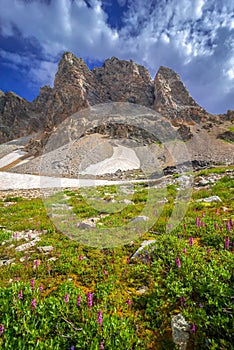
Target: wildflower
(66,298)
(231,222)
(20,295)
(191,241)
(129,302)
(228,226)
(99,318)
(2,329)
(208,250)
(72,347)
(178,263)
(101,345)
(36,263)
(200,305)
(32,284)
(34,303)
(105,272)
(78,300)
(215,225)
(185,250)
(89,299)
(198,224)
(80,257)
(185,225)
(216,211)
(227,242)
(182,299)
(193,328)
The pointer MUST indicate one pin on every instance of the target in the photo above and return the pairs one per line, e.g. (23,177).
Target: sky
(193,37)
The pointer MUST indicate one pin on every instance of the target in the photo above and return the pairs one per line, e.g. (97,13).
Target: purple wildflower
(198,224)
(228,226)
(89,297)
(66,298)
(101,345)
(20,295)
(72,347)
(185,250)
(185,225)
(191,241)
(80,257)
(208,250)
(40,288)
(32,284)
(231,222)
(34,303)
(182,300)
(99,318)
(78,300)
(36,263)
(105,272)
(129,302)
(200,305)
(193,328)
(2,329)
(215,225)
(227,242)
(178,263)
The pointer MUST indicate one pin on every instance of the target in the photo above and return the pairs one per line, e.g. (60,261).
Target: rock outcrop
(173,100)
(16,118)
(76,87)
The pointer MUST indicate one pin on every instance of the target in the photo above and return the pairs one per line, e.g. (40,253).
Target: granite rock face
(16,118)
(173,100)
(76,87)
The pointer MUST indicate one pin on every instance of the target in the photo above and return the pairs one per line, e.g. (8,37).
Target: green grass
(39,300)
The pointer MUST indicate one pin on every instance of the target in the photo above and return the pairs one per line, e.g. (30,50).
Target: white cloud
(192,37)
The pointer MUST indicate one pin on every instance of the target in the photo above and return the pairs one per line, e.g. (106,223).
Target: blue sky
(193,37)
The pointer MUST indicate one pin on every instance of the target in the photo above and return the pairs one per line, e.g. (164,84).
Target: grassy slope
(201,289)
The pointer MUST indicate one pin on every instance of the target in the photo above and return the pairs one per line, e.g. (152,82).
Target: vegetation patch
(79,297)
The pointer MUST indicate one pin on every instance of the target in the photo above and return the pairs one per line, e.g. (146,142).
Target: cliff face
(173,100)
(77,87)
(16,117)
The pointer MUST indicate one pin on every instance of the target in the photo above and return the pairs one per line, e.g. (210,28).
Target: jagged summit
(77,87)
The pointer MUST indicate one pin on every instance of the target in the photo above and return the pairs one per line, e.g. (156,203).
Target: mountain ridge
(76,87)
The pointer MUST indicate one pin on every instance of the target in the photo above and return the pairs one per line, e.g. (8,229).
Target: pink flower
(185,250)
(182,299)
(178,263)
(34,303)
(198,224)
(129,302)
(40,288)
(32,284)
(105,272)
(89,297)
(36,263)
(191,241)
(78,300)
(80,257)
(20,295)
(2,329)
(66,298)
(227,242)
(100,318)
(101,345)
(193,328)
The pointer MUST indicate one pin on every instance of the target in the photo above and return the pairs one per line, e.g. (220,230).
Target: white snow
(11,157)
(123,158)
